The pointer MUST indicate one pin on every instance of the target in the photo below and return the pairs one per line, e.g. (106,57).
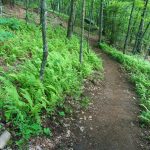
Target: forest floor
(111,120)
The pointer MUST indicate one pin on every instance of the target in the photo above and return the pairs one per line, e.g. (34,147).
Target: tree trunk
(147,53)
(27,19)
(101,22)
(133,27)
(148,25)
(129,27)
(71,19)
(41,11)
(90,14)
(82,31)
(1,8)
(45,47)
(138,42)
(12,3)
(113,25)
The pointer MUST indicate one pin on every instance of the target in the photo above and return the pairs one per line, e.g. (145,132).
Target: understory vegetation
(41,65)
(24,99)
(139,72)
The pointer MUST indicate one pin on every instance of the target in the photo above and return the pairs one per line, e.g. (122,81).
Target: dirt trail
(111,122)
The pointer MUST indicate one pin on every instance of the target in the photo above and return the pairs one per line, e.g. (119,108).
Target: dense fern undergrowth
(24,99)
(140,75)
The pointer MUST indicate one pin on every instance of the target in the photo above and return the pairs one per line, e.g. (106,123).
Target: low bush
(12,23)
(4,35)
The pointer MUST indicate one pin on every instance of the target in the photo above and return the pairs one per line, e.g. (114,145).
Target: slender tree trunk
(138,42)
(71,19)
(129,27)
(41,12)
(27,19)
(101,22)
(58,7)
(112,35)
(39,6)
(147,53)
(133,27)
(12,3)
(147,27)
(89,30)
(82,31)
(45,47)
(1,8)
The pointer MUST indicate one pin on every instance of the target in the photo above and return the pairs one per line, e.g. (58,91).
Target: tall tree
(1,8)
(129,27)
(147,53)
(71,18)
(101,22)
(138,41)
(134,27)
(82,31)
(27,3)
(45,47)
(91,17)
(146,29)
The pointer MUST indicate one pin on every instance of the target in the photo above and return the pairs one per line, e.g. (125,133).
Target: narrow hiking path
(111,122)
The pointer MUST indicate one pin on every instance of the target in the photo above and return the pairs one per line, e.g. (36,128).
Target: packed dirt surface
(114,123)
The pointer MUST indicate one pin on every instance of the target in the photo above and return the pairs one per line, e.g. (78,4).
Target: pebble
(84,117)
(81,129)
(68,133)
(90,117)
(38,148)
(91,128)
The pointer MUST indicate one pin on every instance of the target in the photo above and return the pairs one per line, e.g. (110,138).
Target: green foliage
(12,23)
(140,75)
(85,102)
(23,97)
(47,131)
(4,35)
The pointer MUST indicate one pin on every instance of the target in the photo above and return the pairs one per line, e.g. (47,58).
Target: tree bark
(101,22)
(71,19)
(27,19)
(147,53)
(1,8)
(148,25)
(133,27)
(82,31)
(129,27)
(45,47)
(89,30)
(138,42)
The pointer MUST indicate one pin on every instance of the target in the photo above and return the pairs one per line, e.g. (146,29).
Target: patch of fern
(23,97)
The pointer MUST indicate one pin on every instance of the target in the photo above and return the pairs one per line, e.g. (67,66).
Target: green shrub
(11,23)
(4,35)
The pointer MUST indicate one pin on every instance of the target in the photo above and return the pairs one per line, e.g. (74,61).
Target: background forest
(119,18)
(35,84)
